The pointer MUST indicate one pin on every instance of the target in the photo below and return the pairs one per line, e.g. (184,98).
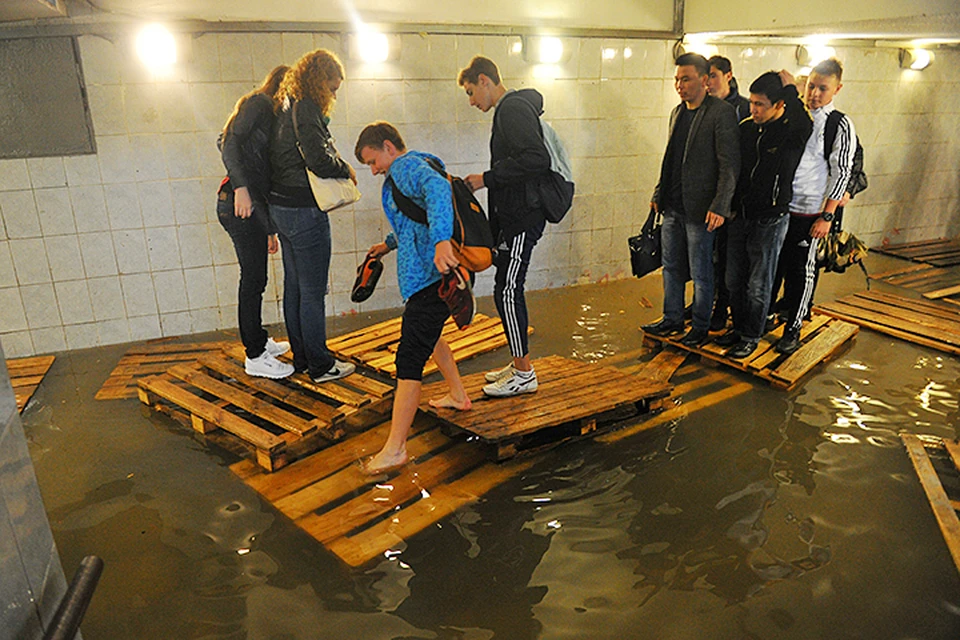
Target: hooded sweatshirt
(518,158)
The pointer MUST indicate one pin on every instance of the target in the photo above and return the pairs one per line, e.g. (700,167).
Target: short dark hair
(375,134)
(770,85)
(722,64)
(479,65)
(696,61)
(829,67)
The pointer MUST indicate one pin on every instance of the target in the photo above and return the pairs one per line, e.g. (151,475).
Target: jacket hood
(530,95)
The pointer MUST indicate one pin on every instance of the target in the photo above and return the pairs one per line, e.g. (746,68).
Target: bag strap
(296,131)
(407,206)
(830,132)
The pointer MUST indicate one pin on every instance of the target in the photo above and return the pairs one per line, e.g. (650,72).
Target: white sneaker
(267,366)
(512,385)
(497,374)
(277,348)
(337,371)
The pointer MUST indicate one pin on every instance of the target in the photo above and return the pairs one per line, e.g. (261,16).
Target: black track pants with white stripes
(798,264)
(511,262)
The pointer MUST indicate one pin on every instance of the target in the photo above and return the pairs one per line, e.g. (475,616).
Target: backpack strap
(830,132)
(407,206)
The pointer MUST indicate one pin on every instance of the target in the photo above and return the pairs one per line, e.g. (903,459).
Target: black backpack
(472,237)
(858,179)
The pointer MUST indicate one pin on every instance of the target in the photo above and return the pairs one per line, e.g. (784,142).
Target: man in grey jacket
(697,180)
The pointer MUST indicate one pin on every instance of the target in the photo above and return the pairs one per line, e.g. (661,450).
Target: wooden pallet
(931,324)
(26,375)
(360,518)
(820,339)
(150,359)
(944,509)
(942,252)
(573,400)
(932,282)
(276,421)
(376,346)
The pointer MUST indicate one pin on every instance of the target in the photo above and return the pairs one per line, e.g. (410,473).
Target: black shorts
(423,319)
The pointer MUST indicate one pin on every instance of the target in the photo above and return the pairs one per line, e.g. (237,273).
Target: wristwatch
(826,215)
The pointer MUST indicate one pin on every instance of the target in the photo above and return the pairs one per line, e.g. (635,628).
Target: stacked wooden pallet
(574,399)
(820,339)
(931,324)
(150,359)
(26,375)
(375,346)
(276,421)
(931,282)
(939,253)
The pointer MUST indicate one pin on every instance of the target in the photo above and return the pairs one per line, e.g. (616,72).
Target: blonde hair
(310,77)
(269,87)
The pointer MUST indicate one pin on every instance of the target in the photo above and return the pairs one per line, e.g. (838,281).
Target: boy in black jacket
(518,157)
(771,144)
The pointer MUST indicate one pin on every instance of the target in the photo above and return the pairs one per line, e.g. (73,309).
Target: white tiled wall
(125,245)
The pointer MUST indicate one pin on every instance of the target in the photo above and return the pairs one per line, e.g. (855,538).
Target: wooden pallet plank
(831,310)
(349,479)
(223,365)
(858,315)
(907,245)
(942,509)
(816,351)
(663,365)
(444,500)
(177,347)
(904,318)
(40,363)
(770,356)
(409,484)
(953,449)
(918,278)
(191,374)
(937,308)
(942,293)
(365,333)
(207,411)
(25,381)
(899,271)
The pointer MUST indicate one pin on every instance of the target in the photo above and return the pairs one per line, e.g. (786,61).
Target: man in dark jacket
(697,181)
(771,144)
(518,158)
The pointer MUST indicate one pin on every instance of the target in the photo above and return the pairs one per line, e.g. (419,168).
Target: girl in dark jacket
(242,211)
(302,141)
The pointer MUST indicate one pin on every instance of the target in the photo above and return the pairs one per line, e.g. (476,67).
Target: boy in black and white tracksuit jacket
(818,190)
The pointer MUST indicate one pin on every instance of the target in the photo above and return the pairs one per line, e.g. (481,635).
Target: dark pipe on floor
(66,621)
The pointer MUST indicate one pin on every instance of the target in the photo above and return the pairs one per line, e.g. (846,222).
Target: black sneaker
(790,341)
(743,349)
(718,320)
(338,370)
(663,328)
(771,323)
(695,338)
(728,339)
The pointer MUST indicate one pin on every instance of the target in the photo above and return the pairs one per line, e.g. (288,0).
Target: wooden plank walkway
(150,359)
(931,324)
(376,346)
(360,518)
(931,282)
(275,421)
(26,375)
(942,252)
(573,399)
(944,509)
(820,339)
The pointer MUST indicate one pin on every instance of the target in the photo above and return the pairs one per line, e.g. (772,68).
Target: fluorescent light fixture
(627,53)
(517,47)
(373,46)
(156,47)
(810,55)
(609,53)
(551,50)
(916,59)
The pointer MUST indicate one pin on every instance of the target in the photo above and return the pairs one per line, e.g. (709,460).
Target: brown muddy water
(769,515)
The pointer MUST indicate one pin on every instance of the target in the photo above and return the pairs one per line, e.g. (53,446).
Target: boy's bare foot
(384,462)
(448,402)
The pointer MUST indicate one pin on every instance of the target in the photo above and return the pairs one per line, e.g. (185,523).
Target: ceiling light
(627,53)
(810,55)
(551,50)
(916,59)
(156,47)
(609,53)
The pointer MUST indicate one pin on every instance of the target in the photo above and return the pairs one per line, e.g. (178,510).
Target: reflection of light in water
(554,524)
(857,366)
(841,438)
(242,552)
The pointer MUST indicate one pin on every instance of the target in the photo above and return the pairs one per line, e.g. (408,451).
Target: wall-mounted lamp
(545,50)
(917,59)
(372,46)
(694,44)
(810,55)
(156,47)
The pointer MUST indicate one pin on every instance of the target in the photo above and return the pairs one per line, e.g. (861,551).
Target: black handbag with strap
(645,248)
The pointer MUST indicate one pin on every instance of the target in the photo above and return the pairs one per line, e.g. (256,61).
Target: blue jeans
(687,250)
(305,240)
(250,242)
(753,249)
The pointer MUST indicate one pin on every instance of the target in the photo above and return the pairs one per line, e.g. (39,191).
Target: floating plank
(570,399)
(943,510)
(151,359)
(26,374)
(899,271)
(818,343)
(375,347)
(930,324)
(942,293)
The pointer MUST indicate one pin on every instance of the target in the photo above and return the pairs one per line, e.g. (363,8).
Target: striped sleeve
(841,159)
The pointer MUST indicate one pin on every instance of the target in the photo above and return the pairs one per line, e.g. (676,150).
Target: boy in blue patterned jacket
(424,253)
